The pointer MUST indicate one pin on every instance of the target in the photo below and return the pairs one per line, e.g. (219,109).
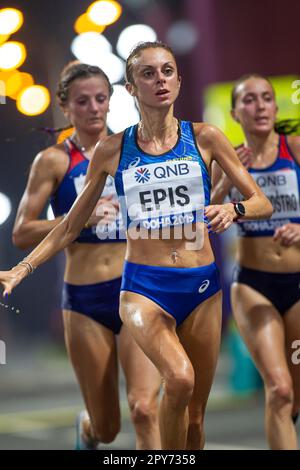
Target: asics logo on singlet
(134,162)
(203,286)
(142,175)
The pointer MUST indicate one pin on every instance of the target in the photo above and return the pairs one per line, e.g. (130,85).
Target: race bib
(164,194)
(281,187)
(114,229)
(79,183)
(109,188)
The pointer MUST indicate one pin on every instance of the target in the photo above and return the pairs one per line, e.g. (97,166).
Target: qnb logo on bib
(142,175)
(204,286)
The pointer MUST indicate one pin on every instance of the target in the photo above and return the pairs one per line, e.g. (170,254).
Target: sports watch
(239,209)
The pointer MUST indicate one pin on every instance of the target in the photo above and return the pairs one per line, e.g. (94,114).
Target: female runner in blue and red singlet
(94,264)
(266,288)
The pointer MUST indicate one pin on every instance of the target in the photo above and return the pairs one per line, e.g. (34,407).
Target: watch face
(240,209)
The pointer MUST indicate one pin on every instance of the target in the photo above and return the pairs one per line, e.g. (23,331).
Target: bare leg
(143,383)
(154,331)
(263,330)
(292,327)
(93,353)
(200,336)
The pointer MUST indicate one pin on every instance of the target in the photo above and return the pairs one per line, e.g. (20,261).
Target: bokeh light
(131,35)
(16,82)
(123,112)
(12,55)
(5,208)
(87,47)
(11,20)
(104,12)
(33,100)
(84,25)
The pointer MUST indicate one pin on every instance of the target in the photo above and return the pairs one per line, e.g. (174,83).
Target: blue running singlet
(157,191)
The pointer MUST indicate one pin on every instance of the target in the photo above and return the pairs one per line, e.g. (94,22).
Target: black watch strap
(239,209)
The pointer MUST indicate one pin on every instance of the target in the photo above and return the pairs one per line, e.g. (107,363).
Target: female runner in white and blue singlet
(266,287)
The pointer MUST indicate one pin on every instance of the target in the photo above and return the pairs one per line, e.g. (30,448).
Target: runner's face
(255,107)
(88,104)
(156,80)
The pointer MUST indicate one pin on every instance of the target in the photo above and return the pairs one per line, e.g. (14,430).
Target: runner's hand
(288,234)
(220,217)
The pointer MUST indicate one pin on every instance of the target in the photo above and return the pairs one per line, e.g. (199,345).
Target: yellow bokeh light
(11,20)
(104,12)
(12,55)
(33,100)
(3,38)
(13,83)
(84,25)
(65,134)
(16,83)
(4,76)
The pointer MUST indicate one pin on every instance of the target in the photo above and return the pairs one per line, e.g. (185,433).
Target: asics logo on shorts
(203,286)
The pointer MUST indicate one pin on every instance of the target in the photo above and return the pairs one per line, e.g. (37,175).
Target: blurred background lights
(182,36)
(83,24)
(12,55)
(131,35)
(6,74)
(215,115)
(88,46)
(16,82)
(10,20)
(5,208)
(33,100)
(104,12)
(3,38)
(112,65)
(123,112)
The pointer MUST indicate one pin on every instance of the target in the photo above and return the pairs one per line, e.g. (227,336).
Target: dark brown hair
(71,72)
(141,46)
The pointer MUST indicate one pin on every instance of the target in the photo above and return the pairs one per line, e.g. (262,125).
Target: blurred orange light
(3,38)
(11,20)
(17,82)
(104,12)
(5,75)
(84,25)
